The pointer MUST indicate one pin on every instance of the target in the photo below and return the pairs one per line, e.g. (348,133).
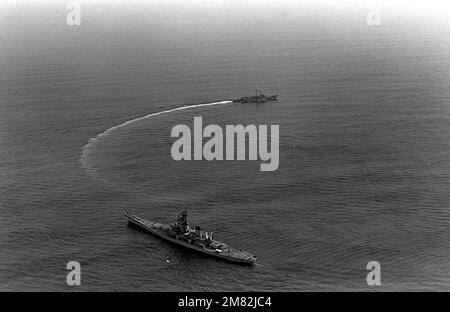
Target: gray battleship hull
(227,253)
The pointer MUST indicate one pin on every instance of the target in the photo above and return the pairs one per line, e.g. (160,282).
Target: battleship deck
(223,251)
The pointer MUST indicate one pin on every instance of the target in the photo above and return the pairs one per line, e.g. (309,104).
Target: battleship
(183,234)
(259,97)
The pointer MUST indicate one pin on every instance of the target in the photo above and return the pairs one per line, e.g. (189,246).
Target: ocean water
(364,168)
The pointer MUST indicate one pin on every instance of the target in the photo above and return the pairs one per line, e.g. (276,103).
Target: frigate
(259,97)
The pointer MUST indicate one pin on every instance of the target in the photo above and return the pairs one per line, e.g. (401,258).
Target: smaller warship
(259,97)
(193,237)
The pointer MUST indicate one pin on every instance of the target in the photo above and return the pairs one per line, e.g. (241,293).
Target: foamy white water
(88,147)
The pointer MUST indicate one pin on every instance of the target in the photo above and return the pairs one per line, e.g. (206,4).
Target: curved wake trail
(86,148)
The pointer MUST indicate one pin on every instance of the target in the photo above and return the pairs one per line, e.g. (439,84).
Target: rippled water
(364,155)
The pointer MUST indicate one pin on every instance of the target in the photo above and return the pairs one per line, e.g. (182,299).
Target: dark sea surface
(364,174)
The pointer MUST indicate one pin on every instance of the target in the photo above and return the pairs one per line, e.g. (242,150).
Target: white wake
(88,147)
